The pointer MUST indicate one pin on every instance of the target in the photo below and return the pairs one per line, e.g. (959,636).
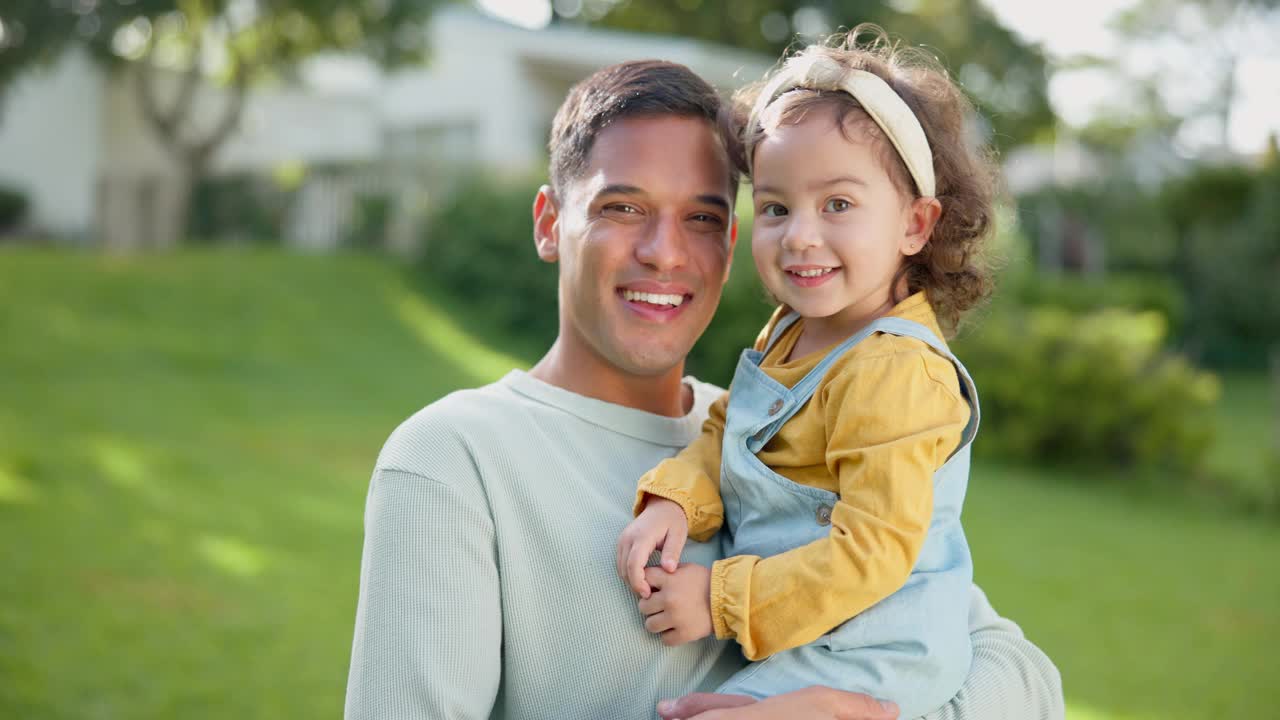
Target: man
(488,586)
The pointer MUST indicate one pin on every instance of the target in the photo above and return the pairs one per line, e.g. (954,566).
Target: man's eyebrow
(619,189)
(719,201)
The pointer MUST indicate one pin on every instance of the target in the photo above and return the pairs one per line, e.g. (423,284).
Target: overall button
(775,407)
(824,515)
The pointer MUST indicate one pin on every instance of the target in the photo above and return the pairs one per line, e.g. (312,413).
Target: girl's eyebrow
(817,185)
(836,181)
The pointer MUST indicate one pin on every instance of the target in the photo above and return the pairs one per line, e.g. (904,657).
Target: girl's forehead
(814,142)
(822,139)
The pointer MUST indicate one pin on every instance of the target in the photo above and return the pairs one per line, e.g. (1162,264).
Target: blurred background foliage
(185,436)
(1005,75)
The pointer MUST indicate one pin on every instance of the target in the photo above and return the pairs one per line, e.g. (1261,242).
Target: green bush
(13,208)
(479,251)
(1227,221)
(1131,222)
(1137,292)
(244,207)
(1213,235)
(370,221)
(1092,388)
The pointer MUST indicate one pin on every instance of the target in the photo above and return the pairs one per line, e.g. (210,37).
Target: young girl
(838,460)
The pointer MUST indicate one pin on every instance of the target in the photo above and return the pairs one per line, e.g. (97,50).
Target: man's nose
(664,246)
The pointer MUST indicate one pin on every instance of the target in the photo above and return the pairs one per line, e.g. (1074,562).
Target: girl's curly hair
(953,268)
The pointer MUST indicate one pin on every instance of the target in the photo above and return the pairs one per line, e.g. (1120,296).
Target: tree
(1184,57)
(1005,76)
(237,42)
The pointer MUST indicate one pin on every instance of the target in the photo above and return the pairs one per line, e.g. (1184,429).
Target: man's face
(643,237)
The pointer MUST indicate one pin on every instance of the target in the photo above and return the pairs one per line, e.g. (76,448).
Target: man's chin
(651,361)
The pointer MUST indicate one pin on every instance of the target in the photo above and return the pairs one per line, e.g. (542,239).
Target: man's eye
(706,218)
(621,208)
(773,210)
(837,205)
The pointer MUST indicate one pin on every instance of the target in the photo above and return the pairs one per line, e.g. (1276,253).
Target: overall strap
(787,321)
(804,389)
(800,393)
(912,329)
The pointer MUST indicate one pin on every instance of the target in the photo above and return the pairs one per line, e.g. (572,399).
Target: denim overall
(911,647)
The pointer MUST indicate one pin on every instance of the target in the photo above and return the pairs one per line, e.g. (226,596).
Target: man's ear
(546,226)
(922,217)
(733,243)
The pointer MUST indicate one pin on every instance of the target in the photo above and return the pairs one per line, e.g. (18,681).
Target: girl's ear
(546,229)
(922,216)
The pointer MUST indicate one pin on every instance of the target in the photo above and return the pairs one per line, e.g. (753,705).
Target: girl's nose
(800,235)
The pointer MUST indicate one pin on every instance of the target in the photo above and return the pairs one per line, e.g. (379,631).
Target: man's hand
(812,703)
(661,524)
(680,610)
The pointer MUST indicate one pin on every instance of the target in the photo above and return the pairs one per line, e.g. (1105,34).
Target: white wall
(508,82)
(50,142)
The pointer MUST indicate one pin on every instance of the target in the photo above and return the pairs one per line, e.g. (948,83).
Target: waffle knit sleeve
(428,630)
(1010,679)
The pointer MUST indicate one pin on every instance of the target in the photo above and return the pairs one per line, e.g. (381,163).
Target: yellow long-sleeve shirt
(885,417)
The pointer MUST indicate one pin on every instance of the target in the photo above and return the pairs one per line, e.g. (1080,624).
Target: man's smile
(653,300)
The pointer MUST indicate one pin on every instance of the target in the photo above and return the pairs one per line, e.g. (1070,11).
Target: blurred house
(74,138)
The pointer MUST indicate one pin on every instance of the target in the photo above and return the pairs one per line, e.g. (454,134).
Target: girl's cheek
(763,244)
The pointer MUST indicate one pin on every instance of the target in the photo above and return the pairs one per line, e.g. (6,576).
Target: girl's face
(831,228)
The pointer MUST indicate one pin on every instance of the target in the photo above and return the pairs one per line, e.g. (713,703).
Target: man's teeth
(653,298)
(813,273)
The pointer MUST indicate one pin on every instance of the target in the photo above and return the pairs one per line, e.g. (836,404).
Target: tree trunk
(191,149)
(172,214)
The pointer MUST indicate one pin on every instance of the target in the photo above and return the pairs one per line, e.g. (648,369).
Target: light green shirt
(488,586)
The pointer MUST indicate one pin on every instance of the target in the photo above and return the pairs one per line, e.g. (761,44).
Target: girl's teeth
(813,273)
(653,298)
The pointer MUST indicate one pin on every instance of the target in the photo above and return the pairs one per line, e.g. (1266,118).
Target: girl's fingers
(672,547)
(650,605)
(635,569)
(658,623)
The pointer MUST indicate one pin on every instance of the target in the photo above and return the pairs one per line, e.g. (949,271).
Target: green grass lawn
(185,444)
(1246,434)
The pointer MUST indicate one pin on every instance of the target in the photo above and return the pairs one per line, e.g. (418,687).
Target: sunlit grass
(1150,606)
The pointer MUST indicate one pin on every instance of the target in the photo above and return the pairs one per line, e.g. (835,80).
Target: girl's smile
(808,276)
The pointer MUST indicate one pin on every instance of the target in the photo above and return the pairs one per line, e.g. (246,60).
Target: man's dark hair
(640,88)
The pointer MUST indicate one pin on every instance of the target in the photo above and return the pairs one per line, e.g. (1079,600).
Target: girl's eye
(773,210)
(837,205)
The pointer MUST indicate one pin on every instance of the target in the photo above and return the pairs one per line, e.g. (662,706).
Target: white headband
(815,71)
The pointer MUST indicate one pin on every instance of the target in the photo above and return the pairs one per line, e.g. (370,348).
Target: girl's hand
(661,524)
(680,610)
